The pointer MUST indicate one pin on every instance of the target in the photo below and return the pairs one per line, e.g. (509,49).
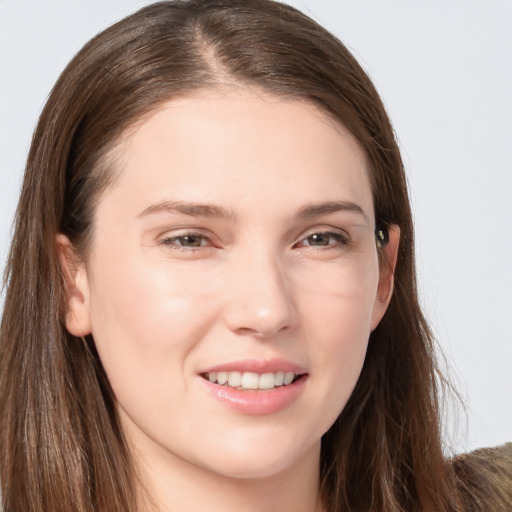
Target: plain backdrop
(444,69)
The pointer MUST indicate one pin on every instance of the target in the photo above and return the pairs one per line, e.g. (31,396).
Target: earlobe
(76,283)
(388,261)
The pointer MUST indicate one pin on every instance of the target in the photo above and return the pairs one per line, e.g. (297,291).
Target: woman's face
(237,243)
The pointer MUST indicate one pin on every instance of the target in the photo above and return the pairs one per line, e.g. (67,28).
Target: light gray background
(444,69)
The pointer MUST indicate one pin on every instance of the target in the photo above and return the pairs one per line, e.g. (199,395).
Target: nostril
(262,333)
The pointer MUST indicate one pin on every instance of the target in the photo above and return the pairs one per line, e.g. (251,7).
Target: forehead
(241,144)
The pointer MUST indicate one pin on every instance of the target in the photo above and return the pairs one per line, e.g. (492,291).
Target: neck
(172,484)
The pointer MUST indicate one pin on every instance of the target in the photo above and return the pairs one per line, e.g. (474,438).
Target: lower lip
(263,401)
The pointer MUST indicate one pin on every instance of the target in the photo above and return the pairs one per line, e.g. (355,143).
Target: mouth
(252,380)
(255,387)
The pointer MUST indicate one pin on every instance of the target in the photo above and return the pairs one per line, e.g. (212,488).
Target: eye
(324,239)
(187,241)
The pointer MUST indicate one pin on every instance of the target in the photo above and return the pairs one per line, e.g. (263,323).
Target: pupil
(191,241)
(319,239)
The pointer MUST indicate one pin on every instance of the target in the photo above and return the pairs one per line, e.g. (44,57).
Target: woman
(211,282)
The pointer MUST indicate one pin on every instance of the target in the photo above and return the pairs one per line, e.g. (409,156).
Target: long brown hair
(61,445)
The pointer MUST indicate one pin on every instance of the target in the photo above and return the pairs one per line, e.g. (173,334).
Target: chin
(253,461)
(252,469)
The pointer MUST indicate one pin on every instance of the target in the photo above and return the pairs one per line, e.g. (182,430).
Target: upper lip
(257,366)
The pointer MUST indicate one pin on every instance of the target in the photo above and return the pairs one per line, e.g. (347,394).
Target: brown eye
(324,239)
(319,239)
(190,240)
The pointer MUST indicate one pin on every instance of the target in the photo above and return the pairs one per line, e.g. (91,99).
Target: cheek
(145,320)
(339,301)
(340,329)
(338,326)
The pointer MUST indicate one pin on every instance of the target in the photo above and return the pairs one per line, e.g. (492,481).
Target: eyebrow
(186,208)
(215,211)
(314,210)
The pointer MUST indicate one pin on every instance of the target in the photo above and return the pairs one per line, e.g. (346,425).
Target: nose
(260,299)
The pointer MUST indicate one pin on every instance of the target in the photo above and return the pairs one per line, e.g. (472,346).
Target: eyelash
(171,242)
(340,240)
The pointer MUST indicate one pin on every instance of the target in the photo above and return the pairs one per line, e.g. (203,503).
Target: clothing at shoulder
(484,479)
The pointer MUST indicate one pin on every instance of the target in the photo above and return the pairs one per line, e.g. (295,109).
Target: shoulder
(484,479)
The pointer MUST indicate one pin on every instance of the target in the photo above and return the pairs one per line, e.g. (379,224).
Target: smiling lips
(251,380)
(256,387)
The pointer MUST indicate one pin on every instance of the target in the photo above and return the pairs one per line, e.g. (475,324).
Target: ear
(78,320)
(388,259)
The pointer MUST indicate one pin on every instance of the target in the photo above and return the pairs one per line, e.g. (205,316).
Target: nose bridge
(260,297)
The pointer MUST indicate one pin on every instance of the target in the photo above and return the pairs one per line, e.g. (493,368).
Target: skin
(255,283)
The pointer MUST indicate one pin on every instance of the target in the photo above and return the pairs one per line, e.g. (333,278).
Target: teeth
(267,381)
(251,380)
(288,377)
(234,379)
(279,379)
